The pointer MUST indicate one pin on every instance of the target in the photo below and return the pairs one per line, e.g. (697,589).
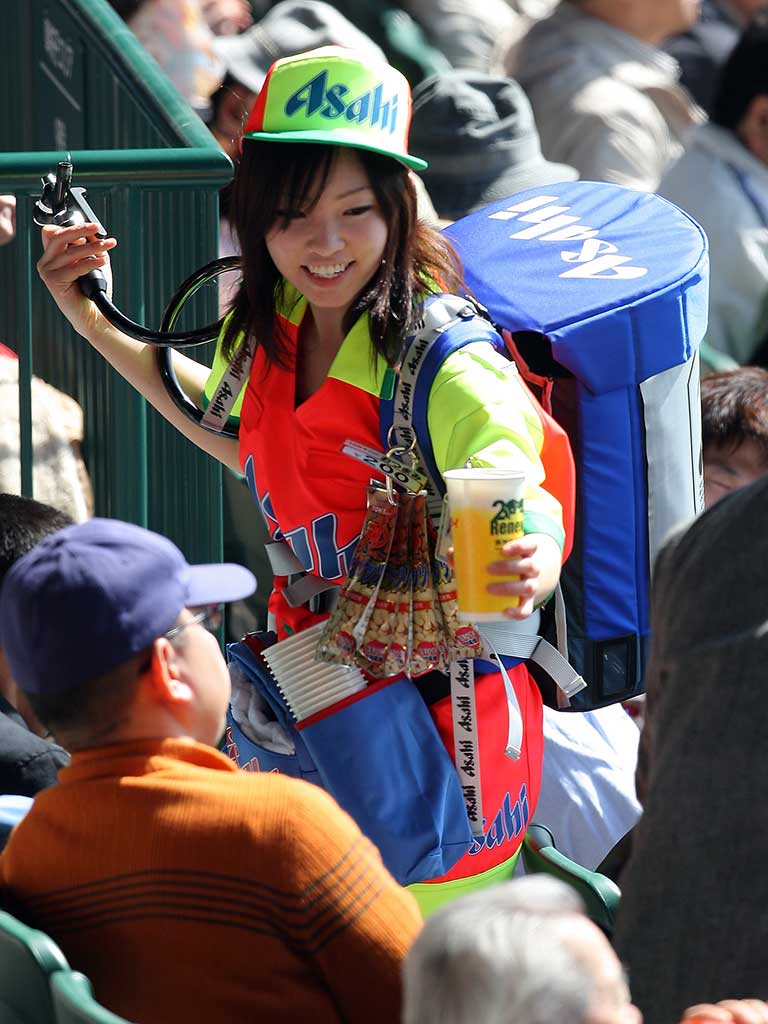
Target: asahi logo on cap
(316,97)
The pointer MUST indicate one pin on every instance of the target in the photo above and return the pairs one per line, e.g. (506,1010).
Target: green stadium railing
(75,79)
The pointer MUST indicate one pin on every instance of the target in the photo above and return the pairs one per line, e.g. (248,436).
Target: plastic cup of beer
(486,508)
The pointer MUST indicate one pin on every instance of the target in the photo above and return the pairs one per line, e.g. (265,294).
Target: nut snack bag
(429,648)
(385,648)
(462,638)
(347,622)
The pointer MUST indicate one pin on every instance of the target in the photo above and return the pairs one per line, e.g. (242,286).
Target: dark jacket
(692,925)
(27,762)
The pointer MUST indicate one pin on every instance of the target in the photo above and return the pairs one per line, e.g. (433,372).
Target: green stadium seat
(28,959)
(600,894)
(74,1002)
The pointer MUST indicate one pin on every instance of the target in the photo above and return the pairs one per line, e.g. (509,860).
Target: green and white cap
(335,96)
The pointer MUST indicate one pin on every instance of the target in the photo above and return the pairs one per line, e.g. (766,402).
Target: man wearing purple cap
(185,889)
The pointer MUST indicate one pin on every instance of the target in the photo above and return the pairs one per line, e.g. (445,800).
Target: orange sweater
(189,891)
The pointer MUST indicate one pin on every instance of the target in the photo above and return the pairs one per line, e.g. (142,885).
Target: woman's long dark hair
(274,175)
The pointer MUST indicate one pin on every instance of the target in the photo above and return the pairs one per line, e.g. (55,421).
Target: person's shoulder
(702,179)
(697,155)
(610,99)
(281,791)
(601,124)
(276,810)
(28,763)
(302,796)
(565,51)
(555,33)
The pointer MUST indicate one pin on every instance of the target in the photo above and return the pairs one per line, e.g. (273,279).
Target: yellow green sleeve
(479,413)
(214,379)
(291,305)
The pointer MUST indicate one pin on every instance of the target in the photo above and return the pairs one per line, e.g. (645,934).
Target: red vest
(315,497)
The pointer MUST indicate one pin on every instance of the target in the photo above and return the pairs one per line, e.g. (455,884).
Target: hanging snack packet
(429,648)
(462,638)
(350,617)
(385,648)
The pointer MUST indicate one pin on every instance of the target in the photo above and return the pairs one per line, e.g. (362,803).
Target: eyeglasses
(210,617)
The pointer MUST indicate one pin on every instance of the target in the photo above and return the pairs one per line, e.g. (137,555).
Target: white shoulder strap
(231,384)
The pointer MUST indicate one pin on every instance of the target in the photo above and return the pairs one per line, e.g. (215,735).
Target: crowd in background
(665,96)
(641,94)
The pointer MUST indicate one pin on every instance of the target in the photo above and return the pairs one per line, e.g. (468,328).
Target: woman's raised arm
(68,254)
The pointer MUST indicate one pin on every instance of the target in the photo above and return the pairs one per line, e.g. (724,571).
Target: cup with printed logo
(486,509)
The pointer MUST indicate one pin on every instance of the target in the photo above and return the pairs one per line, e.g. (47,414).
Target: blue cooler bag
(411,805)
(604,291)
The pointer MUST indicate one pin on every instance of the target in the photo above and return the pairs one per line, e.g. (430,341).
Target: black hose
(163,354)
(94,286)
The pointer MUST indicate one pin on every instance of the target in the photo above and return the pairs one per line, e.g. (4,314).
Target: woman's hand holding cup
(535,560)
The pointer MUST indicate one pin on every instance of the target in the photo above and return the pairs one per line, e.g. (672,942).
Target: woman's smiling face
(330,248)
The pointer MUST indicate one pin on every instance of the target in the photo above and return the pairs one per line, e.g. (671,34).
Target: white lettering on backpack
(550,223)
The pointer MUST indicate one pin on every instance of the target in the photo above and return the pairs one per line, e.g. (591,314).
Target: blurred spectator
(722,182)
(472,34)
(177,35)
(227,17)
(691,924)
(59,475)
(702,51)
(403,39)
(734,426)
(526,12)
(477,36)
(478,134)
(533,10)
(28,762)
(521,951)
(605,97)
(7,219)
